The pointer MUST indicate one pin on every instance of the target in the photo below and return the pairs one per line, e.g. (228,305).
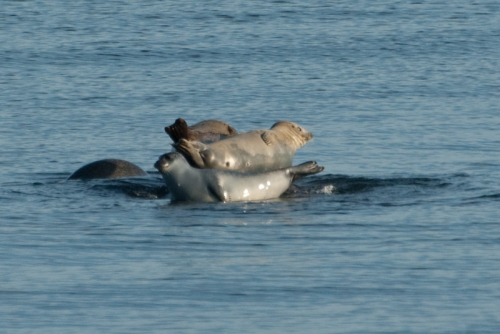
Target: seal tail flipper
(218,194)
(190,151)
(307,168)
(232,131)
(179,130)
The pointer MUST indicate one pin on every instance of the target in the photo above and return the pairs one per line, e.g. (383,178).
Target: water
(400,233)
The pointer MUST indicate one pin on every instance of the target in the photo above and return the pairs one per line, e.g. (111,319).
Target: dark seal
(207,131)
(107,169)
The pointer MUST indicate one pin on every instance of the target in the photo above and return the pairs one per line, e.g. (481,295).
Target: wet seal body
(254,151)
(186,183)
(107,169)
(207,131)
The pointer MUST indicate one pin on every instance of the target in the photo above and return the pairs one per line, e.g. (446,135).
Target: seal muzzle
(162,162)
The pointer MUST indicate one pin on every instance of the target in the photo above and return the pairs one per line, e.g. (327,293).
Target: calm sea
(399,234)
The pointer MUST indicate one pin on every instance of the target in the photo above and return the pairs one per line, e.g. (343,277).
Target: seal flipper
(269,138)
(307,168)
(191,151)
(208,157)
(179,130)
(218,194)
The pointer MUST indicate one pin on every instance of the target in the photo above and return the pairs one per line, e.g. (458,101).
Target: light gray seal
(107,169)
(207,131)
(186,183)
(254,151)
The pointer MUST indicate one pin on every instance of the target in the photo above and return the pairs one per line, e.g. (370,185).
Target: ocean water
(399,234)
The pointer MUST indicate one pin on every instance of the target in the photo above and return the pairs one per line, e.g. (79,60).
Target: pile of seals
(212,162)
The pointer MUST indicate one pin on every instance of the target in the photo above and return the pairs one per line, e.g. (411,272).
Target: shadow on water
(392,191)
(137,187)
(327,188)
(343,185)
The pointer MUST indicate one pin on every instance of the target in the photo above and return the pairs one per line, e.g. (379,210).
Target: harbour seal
(186,183)
(107,169)
(207,131)
(254,151)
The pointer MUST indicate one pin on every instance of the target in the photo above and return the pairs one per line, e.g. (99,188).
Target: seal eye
(167,157)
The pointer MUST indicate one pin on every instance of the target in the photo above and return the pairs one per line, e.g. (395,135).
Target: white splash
(329,189)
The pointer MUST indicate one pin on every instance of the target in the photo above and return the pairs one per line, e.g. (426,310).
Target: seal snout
(162,162)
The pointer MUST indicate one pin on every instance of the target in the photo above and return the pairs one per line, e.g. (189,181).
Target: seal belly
(250,159)
(254,187)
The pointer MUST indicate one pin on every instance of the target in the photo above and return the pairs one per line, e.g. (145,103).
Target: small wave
(492,196)
(342,184)
(139,187)
(390,191)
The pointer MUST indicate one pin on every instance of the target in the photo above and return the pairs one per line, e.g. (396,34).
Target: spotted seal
(254,151)
(186,183)
(107,169)
(207,131)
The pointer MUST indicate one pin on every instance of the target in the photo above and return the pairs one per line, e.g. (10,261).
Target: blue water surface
(399,234)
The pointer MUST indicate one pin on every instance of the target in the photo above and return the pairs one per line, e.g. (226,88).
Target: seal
(107,169)
(207,131)
(254,151)
(186,183)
